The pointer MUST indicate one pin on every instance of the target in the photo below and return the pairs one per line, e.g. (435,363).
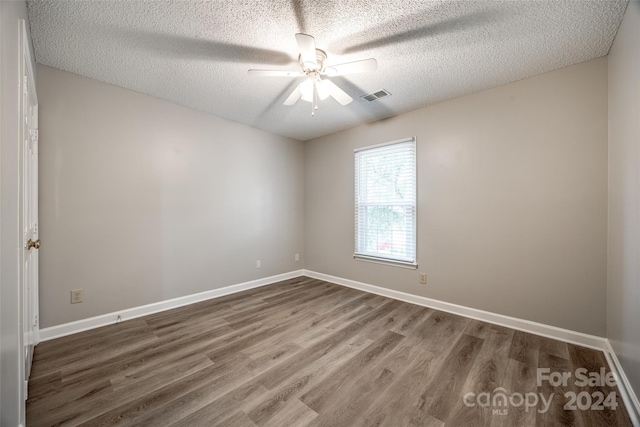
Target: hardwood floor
(309,353)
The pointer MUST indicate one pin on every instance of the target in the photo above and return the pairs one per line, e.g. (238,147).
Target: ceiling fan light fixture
(324,89)
(306,90)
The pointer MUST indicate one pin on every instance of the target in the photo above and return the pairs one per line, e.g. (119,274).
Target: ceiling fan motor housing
(309,67)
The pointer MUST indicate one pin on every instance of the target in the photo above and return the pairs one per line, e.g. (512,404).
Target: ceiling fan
(317,86)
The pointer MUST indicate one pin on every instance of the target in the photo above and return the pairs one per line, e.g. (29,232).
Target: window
(385,202)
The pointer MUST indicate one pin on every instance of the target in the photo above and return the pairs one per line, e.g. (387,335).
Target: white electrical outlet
(297,257)
(258,264)
(76,296)
(423,278)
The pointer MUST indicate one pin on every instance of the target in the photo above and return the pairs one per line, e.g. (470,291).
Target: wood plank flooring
(304,352)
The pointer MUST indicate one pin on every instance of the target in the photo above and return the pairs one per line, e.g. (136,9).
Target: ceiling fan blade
(275,73)
(354,67)
(293,98)
(307,47)
(338,94)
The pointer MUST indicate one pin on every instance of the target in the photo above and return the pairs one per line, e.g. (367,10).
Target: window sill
(393,263)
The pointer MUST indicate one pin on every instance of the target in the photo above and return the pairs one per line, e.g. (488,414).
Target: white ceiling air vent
(373,96)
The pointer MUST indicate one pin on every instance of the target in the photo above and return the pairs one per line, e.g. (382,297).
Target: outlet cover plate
(76,296)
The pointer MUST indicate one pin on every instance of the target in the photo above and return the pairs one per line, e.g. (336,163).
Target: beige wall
(623,284)
(142,200)
(11,374)
(512,199)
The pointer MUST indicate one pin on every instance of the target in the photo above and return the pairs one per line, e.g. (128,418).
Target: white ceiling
(197,53)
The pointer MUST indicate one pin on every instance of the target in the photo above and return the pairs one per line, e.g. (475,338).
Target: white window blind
(385,202)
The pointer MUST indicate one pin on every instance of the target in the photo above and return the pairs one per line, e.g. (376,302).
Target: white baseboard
(536,328)
(131,313)
(626,391)
(629,397)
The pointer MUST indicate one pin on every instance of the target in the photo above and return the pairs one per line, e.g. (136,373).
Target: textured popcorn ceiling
(197,53)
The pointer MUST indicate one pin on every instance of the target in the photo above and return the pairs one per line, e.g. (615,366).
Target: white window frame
(362,255)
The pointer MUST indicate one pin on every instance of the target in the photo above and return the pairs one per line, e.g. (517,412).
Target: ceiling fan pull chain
(315,94)
(314,100)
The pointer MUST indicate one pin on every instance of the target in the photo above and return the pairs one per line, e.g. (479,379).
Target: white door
(29,184)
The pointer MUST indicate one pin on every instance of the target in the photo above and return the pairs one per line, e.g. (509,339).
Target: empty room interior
(298,213)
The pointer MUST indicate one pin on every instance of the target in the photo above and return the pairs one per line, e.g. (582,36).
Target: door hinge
(34,134)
